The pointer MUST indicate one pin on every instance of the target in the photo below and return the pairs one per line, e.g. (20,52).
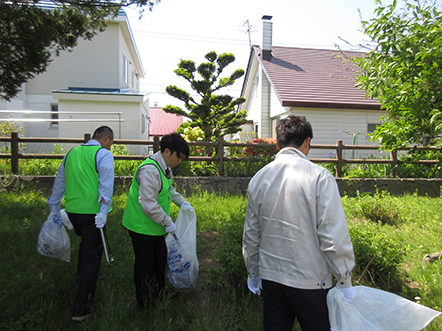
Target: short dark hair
(175,143)
(102,132)
(293,131)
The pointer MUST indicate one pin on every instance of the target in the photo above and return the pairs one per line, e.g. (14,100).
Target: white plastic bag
(376,310)
(182,261)
(53,240)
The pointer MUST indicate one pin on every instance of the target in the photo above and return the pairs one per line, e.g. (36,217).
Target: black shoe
(81,318)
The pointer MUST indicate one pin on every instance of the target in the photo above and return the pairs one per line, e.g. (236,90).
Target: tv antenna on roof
(248,31)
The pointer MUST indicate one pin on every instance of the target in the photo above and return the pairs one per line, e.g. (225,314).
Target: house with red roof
(280,81)
(162,123)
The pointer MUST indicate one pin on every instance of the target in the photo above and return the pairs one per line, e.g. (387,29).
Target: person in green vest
(147,215)
(86,180)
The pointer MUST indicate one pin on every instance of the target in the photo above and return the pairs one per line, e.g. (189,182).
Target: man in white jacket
(296,234)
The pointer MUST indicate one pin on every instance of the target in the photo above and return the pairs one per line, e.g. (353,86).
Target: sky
(189,29)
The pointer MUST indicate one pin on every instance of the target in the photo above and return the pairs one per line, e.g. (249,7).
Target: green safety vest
(134,219)
(81,195)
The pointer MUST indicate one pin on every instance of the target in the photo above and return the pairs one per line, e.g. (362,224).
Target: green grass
(37,291)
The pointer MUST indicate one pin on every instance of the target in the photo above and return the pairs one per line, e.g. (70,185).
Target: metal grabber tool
(107,250)
(176,238)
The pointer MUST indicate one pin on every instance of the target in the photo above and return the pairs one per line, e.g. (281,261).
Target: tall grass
(37,291)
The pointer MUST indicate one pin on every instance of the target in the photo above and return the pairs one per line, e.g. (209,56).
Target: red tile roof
(305,77)
(162,123)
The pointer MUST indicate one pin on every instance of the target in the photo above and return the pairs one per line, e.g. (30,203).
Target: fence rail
(339,161)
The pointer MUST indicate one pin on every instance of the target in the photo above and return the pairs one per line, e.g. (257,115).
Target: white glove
(55,208)
(349,292)
(186,206)
(100,220)
(255,284)
(171,228)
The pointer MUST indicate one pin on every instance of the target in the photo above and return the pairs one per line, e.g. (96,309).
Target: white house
(280,81)
(95,84)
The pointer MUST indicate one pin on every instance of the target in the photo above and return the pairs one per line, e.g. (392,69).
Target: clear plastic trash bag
(53,240)
(182,261)
(376,310)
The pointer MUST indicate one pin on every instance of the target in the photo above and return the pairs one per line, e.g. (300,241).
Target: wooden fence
(339,161)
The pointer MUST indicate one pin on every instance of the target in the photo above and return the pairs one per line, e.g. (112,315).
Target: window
(125,70)
(54,114)
(143,123)
(371,127)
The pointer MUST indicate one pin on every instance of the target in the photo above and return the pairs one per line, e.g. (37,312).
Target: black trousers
(89,260)
(150,265)
(283,304)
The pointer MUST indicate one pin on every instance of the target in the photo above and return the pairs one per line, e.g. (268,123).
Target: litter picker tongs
(176,239)
(107,249)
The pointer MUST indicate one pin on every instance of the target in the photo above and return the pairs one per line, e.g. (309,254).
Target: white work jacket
(295,231)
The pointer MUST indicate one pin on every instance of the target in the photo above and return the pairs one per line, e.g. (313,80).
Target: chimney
(267,31)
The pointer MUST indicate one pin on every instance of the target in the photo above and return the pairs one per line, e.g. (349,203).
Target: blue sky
(178,29)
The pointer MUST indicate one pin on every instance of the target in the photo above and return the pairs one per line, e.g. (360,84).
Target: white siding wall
(330,125)
(130,128)
(265,127)
(125,51)
(254,101)
(92,63)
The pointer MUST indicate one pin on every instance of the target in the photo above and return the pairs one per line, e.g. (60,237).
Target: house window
(143,123)
(125,70)
(54,114)
(256,128)
(372,126)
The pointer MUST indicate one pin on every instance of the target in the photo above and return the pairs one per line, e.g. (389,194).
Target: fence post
(156,143)
(14,152)
(87,137)
(393,163)
(339,158)
(221,156)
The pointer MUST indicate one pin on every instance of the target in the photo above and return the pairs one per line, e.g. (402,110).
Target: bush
(379,208)
(246,168)
(124,167)
(378,258)
(261,151)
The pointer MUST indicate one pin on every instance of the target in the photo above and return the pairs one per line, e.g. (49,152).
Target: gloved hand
(100,220)
(171,228)
(255,284)
(349,292)
(55,208)
(186,206)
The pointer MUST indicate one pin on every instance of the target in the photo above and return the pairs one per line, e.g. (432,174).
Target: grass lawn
(37,291)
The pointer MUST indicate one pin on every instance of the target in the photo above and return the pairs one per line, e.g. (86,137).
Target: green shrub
(378,257)
(379,208)
(39,167)
(261,151)
(248,167)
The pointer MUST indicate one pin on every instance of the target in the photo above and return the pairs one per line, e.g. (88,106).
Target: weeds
(37,291)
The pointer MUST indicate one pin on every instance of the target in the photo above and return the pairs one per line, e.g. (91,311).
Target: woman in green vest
(147,215)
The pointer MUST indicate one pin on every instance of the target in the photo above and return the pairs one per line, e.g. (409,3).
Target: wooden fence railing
(339,161)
